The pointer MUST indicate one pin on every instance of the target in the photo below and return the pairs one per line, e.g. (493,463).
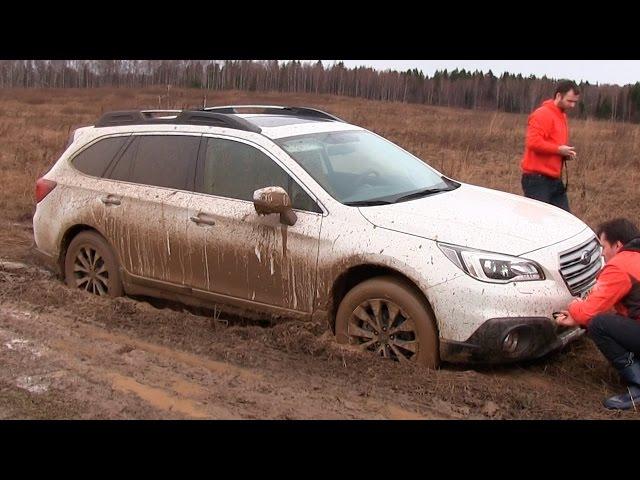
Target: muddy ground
(66,354)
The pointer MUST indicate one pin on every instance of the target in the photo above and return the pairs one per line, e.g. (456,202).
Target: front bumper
(536,337)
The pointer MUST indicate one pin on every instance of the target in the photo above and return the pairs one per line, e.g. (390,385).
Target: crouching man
(616,333)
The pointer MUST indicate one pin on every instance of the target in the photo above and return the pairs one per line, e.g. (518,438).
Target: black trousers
(615,336)
(545,189)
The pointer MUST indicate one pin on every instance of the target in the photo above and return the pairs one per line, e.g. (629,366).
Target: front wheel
(91,265)
(386,316)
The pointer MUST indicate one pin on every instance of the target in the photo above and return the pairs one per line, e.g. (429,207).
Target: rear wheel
(91,265)
(386,316)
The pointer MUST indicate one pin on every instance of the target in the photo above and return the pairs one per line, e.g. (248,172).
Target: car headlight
(492,267)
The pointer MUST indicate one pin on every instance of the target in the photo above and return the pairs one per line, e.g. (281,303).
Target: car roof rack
(276,110)
(173,117)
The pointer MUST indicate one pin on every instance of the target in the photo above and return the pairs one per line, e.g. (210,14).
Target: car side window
(235,170)
(159,160)
(95,159)
(122,169)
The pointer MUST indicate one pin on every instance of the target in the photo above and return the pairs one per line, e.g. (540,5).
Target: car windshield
(361,168)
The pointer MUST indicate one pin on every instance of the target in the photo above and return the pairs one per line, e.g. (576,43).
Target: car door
(243,255)
(147,194)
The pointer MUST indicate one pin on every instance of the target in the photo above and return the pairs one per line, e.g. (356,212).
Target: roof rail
(180,117)
(152,112)
(277,110)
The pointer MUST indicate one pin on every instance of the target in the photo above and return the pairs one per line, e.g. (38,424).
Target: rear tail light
(43,188)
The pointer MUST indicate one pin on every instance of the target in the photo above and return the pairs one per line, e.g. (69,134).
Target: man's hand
(567,151)
(564,319)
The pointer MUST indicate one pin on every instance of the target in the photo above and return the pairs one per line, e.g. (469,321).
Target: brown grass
(483,148)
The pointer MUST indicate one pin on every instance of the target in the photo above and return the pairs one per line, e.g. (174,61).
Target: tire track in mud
(181,356)
(162,400)
(61,371)
(169,381)
(124,364)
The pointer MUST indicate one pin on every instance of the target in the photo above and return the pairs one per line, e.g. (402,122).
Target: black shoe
(631,399)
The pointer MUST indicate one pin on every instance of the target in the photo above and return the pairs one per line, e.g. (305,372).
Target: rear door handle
(202,218)
(110,200)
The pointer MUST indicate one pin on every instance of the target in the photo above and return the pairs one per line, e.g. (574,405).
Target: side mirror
(274,200)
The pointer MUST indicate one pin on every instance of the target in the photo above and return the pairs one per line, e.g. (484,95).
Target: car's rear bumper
(535,337)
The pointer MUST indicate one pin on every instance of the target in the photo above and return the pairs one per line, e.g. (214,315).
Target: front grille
(580,276)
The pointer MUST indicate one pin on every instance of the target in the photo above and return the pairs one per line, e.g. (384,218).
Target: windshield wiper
(422,193)
(367,203)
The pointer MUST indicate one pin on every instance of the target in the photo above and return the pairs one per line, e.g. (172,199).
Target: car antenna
(204,102)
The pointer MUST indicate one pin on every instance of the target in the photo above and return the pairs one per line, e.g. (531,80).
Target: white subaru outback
(292,212)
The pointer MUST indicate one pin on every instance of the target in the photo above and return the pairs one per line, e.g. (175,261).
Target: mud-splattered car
(292,212)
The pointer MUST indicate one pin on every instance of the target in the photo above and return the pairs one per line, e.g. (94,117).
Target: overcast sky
(619,72)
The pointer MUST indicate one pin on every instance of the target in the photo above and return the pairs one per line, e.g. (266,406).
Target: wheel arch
(359,273)
(68,236)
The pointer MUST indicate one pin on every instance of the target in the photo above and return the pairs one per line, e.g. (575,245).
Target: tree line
(457,88)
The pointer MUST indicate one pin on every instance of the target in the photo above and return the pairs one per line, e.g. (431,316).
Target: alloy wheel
(381,326)
(90,271)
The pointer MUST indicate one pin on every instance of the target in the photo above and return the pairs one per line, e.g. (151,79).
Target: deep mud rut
(66,354)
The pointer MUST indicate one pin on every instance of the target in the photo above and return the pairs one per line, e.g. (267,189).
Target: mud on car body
(292,212)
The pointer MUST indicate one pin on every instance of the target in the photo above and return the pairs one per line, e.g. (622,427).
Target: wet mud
(69,354)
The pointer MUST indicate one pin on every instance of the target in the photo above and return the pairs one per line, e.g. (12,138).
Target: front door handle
(203,218)
(110,200)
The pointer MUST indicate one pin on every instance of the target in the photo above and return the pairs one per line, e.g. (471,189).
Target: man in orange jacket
(615,333)
(546,147)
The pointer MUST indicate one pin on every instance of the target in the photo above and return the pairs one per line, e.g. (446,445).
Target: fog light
(510,342)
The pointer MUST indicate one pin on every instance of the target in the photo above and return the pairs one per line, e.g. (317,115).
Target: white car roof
(292,129)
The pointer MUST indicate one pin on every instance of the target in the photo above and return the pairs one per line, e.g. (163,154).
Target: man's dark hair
(563,87)
(619,229)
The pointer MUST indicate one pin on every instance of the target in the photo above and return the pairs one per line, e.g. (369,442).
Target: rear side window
(235,170)
(159,160)
(95,159)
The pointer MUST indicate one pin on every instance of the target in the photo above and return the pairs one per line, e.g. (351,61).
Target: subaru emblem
(585,258)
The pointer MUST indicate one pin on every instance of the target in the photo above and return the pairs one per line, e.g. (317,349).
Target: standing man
(546,147)
(615,333)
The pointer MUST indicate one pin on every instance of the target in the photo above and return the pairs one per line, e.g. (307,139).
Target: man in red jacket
(546,147)
(616,333)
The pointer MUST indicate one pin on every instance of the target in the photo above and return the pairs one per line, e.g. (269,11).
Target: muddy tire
(91,265)
(388,317)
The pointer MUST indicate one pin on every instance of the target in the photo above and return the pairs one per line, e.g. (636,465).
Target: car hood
(480,218)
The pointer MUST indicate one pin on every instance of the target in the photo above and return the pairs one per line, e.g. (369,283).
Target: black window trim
(200,168)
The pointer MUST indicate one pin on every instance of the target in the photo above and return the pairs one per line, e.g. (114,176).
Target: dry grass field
(483,148)
(66,355)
